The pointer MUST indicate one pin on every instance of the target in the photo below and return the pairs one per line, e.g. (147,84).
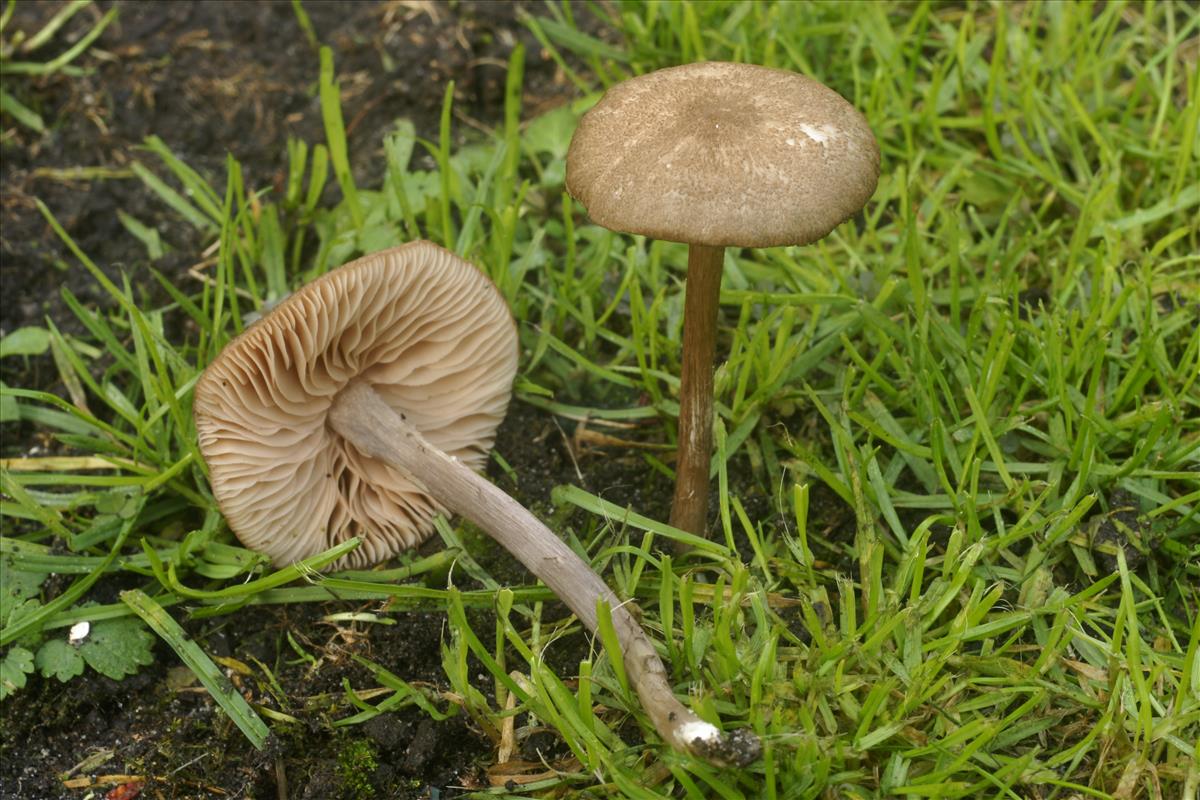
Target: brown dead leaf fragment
(521,773)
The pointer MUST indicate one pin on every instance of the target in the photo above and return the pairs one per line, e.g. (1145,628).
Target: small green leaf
(28,341)
(10,410)
(219,686)
(58,658)
(550,133)
(399,145)
(117,647)
(13,669)
(19,611)
(119,503)
(16,586)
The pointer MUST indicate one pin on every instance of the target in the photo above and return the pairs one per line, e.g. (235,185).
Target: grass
(974,414)
(17,46)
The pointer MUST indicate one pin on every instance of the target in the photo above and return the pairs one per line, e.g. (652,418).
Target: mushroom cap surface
(433,337)
(723,154)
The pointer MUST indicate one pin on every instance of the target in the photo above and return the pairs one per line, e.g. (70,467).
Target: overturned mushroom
(362,405)
(718,155)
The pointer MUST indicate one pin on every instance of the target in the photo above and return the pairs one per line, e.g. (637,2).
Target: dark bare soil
(212,78)
(240,78)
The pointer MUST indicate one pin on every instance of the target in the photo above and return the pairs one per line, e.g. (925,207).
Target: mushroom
(718,155)
(362,406)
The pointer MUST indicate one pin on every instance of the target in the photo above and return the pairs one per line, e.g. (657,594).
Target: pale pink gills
(362,405)
(424,328)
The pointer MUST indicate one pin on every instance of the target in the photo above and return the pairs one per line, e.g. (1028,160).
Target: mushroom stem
(361,416)
(689,507)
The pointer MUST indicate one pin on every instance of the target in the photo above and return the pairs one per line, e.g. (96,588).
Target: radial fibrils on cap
(723,154)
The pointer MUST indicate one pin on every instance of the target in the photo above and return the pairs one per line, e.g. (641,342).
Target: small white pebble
(79,632)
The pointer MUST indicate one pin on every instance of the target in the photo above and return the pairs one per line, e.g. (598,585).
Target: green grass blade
(210,676)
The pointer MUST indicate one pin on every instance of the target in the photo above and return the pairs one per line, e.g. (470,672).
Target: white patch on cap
(79,632)
(691,731)
(819,133)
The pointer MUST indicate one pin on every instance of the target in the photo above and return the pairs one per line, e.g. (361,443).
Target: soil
(216,78)
(240,78)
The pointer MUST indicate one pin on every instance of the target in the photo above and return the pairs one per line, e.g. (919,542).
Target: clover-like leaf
(117,647)
(60,659)
(16,586)
(27,341)
(17,663)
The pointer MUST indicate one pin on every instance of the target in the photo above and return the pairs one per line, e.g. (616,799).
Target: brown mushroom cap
(723,155)
(426,329)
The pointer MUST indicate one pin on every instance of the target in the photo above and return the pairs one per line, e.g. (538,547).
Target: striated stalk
(689,506)
(364,419)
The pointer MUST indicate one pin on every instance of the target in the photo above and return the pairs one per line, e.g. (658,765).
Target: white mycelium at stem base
(370,425)
(362,405)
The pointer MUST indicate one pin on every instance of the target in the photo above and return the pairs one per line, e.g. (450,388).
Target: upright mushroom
(718,155)
(361,406)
